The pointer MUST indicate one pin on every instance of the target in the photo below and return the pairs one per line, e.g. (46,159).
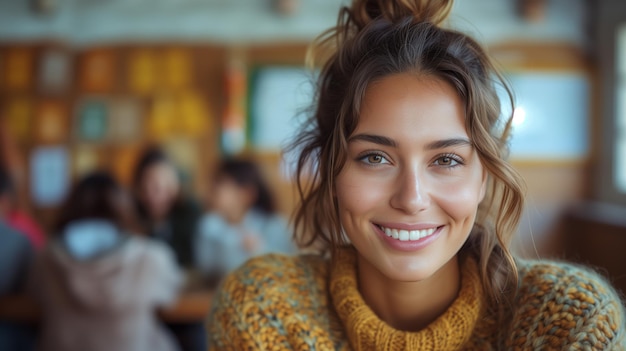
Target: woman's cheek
(459,199)
(359,191)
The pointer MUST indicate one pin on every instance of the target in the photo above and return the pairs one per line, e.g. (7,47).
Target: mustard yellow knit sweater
(302,303)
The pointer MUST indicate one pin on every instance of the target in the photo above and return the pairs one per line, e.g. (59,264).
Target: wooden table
(191,306)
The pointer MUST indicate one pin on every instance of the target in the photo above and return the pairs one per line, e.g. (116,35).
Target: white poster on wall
(49,175)
(551,117)
(278,97)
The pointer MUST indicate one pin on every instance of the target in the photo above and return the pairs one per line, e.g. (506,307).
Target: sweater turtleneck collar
(368,332)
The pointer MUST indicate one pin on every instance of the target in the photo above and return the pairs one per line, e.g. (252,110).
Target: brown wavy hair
(377,38)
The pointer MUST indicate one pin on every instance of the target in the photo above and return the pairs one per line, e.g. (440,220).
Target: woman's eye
(374,159)
(446,161)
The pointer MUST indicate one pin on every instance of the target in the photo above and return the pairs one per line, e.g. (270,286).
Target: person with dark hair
(98,283)
(15,258)
(169,215)
(165,212)
(242,221)
(19,236)
(406,189)
(16,255)
(16,250)
(14,216)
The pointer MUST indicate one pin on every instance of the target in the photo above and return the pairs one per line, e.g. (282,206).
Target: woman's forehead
(405,105)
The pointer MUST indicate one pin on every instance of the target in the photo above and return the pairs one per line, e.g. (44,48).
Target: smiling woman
(413,205)
(408,194)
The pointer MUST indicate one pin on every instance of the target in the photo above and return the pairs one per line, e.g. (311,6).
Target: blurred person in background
(16,249)
(98,285)
(242,221)
(165,212)
(14,216)
(15,258)
(168,215)
(16,253)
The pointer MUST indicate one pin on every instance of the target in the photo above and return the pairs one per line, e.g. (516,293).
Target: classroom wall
(257,34)
(86,22)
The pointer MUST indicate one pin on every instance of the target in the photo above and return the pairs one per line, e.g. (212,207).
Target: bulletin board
(72,110)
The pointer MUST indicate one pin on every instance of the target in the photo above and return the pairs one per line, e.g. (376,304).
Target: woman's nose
(410,192)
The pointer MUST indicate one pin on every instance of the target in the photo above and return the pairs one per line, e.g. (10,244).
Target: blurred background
(88,84)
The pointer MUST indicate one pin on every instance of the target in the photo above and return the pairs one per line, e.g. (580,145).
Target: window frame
(609,16)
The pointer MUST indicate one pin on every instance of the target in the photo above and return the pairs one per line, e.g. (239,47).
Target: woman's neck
(409,306)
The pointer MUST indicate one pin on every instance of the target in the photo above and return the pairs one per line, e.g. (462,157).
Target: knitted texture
(562,305)
(279,302)
(366,331)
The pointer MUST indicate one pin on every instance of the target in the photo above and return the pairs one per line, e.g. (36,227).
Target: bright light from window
(519,116)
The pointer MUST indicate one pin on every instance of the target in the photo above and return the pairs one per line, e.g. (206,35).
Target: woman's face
(232,200)
(409,191)
(159,188)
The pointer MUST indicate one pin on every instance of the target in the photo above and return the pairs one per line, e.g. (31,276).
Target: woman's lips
(408,235)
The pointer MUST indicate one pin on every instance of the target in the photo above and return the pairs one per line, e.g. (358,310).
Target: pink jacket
(108,302)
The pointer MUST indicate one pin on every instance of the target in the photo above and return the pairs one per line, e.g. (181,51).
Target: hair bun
(360,13)
(432,11)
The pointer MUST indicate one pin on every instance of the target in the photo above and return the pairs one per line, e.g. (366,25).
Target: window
(609,48)
(619,171)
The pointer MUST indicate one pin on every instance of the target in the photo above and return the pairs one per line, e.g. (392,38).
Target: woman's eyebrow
(442,144)
(382,140)
(376,139)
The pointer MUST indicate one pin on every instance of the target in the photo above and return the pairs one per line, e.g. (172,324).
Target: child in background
(98,284)
(242,221)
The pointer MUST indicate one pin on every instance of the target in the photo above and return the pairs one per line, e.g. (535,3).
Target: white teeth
(408,235)
(404,235)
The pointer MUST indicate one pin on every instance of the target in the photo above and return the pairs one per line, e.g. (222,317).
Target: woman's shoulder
(557,276)
(559,298)
(279,270)
(273,279)
(269,297)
